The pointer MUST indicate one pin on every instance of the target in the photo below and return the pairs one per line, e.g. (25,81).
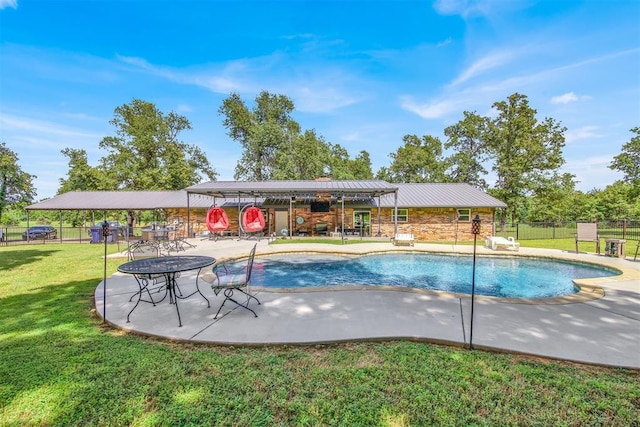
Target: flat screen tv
(320,207)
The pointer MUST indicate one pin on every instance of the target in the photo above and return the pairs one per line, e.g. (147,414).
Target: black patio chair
(228,281)
(149,283)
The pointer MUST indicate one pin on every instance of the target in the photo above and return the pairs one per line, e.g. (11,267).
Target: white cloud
(444,42)
(314,88)
(463,8)
(484,64)
(8,3)
(432,110)
(184,108)
(564,98)
(568,97)
(584,132)
(14,123)
(317,99)
(592,172)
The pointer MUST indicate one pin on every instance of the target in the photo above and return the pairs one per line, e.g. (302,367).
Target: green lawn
(61,366)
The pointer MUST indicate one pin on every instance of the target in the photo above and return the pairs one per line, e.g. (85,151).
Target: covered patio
(287,195)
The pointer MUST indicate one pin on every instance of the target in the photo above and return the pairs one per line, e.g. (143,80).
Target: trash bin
(96,234)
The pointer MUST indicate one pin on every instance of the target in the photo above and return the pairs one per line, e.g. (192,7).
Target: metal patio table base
(169,267)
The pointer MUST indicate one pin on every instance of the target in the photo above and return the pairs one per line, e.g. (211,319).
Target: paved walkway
(595,327)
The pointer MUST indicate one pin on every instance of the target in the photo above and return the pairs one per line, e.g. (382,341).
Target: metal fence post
(518,231)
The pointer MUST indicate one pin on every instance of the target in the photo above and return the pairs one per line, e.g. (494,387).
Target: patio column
(395,213)
(189,217)
(379,212)
(291,202)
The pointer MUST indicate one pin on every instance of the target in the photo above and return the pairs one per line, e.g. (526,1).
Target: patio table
(168,267)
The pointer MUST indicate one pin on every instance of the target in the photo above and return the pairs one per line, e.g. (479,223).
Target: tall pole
(105,235)
(475,230)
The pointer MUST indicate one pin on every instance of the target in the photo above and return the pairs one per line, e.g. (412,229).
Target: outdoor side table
(615,248)
(168,267)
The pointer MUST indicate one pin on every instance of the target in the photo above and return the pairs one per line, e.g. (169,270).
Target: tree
(307,157)
(614,202)
(554,199)
(418,160)
(361,166)
(81,176)
(16,186)
(274,148)
(628,162)
(466,138)
(146,154)
(339,163)
(341,166)
(266,133)
(525,151)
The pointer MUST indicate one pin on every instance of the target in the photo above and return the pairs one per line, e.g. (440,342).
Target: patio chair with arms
(222,279)
(588,232)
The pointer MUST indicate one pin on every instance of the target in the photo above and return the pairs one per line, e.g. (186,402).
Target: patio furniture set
(588,232)
(157,280)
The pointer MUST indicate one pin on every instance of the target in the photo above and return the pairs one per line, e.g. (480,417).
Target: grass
(61,366)
(566,244)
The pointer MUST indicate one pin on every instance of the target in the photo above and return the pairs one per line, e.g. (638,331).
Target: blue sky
(361,73)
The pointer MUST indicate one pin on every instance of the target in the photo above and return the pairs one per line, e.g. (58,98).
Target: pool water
(495,276)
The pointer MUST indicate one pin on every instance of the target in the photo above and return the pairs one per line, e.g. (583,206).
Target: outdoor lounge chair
(253,221)
(222,279)
(588,232)
(217,221)
(403,239)
(496,242)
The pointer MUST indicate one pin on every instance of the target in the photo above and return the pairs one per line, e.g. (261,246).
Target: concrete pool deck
(599,327)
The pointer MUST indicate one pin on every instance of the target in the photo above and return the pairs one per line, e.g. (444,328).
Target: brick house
(431,212)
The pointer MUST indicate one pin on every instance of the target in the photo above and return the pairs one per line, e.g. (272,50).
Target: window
(403,215)
(464,215)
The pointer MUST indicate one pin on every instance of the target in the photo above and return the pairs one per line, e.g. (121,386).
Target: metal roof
(441,195)
(289,188)
(120,200)
(276,193)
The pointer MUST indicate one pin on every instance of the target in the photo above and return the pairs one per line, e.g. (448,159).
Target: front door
(362,222)
(281,222)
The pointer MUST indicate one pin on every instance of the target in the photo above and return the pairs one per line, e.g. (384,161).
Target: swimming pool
(509,277)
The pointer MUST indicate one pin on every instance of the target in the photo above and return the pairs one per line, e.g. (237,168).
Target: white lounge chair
(403,239)
(495,242)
